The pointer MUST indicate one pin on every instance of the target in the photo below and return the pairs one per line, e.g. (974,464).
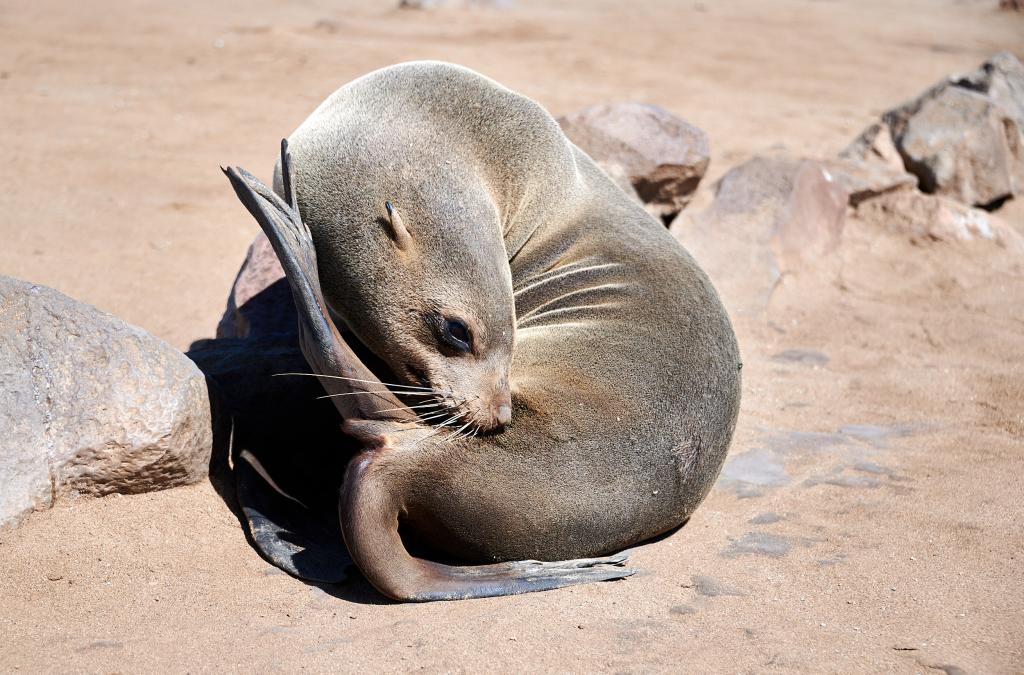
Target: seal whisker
(448,421)
(458,433)
(355,379)
(433,415)
(378,391)
(412,407)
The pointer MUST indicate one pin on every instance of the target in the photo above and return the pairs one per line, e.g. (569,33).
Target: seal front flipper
(305,542)
(358,393)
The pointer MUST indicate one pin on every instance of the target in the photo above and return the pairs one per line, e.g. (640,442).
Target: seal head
(418,269)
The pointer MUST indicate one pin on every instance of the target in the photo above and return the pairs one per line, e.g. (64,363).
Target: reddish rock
(663,156)
(770,216)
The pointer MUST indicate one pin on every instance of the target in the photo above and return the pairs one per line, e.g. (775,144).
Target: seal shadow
(266,425)
(279,455)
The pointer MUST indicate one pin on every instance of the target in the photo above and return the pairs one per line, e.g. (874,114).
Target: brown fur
(622,364)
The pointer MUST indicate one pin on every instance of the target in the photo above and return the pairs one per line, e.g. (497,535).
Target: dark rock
(274,313)
(663,156)
(91,405)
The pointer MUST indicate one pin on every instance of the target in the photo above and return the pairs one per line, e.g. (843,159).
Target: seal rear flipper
(371,501)
(358,392)
(302,541)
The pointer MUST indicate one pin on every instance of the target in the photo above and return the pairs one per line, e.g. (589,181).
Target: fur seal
(511,288)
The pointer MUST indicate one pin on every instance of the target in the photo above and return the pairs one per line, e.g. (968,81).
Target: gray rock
(91,405)
(874,146)
(962,138)
(1001,78)
(963,145)
(663,156)
(770,216)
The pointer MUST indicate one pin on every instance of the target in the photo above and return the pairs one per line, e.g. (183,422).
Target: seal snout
(504,415)
(492,413)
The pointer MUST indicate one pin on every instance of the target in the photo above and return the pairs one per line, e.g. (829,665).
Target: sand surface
(869,518)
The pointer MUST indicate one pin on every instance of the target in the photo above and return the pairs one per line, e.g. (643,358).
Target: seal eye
(457,335)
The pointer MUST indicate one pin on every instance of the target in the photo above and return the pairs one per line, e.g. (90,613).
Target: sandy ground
(869,518)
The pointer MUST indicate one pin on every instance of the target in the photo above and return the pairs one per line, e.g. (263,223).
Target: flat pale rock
(924,218)
(91,405)
(770,216)
(663,156)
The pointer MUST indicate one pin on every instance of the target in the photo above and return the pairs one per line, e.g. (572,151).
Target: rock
(962,138)
(927,218)
(663,156)
(91,405)
(864,180)
(770,216)
(273,312)
(961,144)
(1001,78)
(1012,5)
(875,145)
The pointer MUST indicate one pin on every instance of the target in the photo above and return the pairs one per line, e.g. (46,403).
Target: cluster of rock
(933,168)
(91,405)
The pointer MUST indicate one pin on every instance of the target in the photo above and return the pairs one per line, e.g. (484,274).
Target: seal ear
(399,232)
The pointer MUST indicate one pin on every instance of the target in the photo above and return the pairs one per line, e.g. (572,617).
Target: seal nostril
(504,414)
